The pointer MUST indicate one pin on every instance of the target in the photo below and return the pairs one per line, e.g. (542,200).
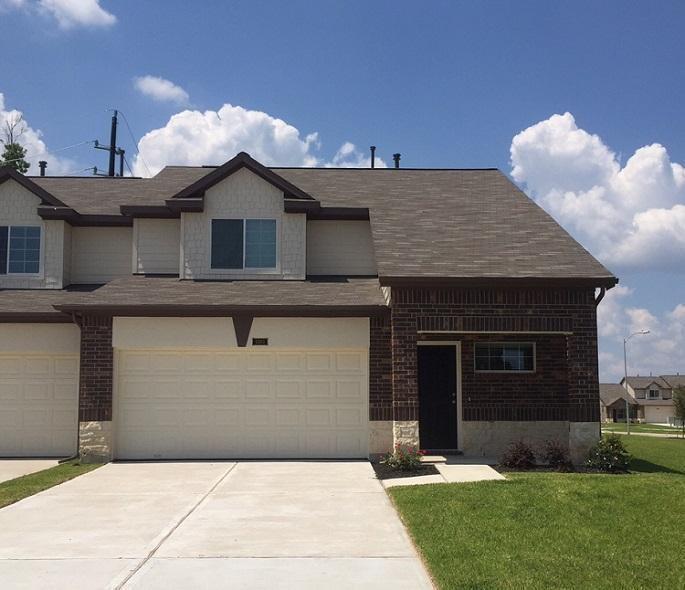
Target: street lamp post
(625,374)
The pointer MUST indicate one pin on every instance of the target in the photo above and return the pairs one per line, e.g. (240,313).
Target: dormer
(242,221)
(31,248)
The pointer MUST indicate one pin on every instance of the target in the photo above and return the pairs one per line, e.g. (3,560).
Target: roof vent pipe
(397,157)
(373,156)
(42,165)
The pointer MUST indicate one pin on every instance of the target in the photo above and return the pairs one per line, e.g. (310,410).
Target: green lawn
(549,530)
(16,489)
(641,428)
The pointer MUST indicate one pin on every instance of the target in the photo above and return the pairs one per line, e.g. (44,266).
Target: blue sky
(445,83)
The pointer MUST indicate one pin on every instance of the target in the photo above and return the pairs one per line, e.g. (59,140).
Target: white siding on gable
(156,245)
(243,195)
(100,254)
(340,248)
(18,207)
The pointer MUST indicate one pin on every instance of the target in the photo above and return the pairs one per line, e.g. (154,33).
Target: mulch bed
(385,472)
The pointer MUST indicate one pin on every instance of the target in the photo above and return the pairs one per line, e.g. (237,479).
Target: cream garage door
(38,405)
(658,414)
(241,404)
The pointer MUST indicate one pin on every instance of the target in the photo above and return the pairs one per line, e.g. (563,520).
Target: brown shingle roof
(639,382)
(610,392)
(425,223)
(37,304)
(148,294)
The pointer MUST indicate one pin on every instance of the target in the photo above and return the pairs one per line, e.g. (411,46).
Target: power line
(78,171)
(135,145)
(127,166)
(68,147)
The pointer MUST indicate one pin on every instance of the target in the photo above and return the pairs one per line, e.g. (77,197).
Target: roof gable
(242,160)
(7,173)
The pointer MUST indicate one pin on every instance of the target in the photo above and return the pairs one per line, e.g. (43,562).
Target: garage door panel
(319,361)
(349,361)
(11,366)
(245,404)
(289,390)
(10,391)
(38,404)
(259,389)
(319,389)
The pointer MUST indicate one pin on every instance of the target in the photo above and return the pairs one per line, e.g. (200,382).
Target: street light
(625,374)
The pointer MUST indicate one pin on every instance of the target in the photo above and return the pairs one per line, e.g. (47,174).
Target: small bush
(556,456)
(519,455)
(403,458)
(609,455)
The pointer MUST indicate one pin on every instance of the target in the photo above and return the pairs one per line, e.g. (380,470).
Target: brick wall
(566,384)
(542,395)
(380,370)
(95,383)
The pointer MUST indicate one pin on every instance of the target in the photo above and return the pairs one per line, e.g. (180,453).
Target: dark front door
(437,371)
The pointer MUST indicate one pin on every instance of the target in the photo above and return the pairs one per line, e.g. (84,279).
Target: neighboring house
(612,403)
(244,311)
(654,396)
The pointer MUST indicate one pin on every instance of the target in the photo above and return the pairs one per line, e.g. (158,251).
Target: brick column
(405,388)
(95,389)
(380,386)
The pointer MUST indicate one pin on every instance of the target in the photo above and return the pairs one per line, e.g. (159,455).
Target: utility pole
(113,142)
(625,374)
(112,148)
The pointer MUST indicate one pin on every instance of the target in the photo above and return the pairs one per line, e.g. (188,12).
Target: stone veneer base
(491,438)
(95,441)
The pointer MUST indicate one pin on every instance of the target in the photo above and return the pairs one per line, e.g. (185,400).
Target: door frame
(457,368)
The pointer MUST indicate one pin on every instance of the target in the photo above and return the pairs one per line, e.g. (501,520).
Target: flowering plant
(404,458)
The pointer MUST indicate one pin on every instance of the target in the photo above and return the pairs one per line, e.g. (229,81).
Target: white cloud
(160,89)
(195,138)
(32,141)
(659,352)
(348,156)
(73,13)
(67,13)
(630,216)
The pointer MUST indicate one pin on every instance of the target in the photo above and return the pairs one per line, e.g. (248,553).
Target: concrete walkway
(448,473)
(273,525)
(12,468)
(653,434)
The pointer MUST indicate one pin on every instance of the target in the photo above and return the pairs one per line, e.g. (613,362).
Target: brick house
(244,311)
(650,398)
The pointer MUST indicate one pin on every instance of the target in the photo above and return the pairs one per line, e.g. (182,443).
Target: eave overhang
(498,282)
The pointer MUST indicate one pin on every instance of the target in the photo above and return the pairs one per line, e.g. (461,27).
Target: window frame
(41,237)
(245,269)
(507,371)
(657,391)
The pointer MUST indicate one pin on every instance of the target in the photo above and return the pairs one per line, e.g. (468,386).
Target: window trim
(246,270)
(24,275)
(658,393)
(507,371)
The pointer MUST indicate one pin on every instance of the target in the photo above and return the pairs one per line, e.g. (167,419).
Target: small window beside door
(504,357)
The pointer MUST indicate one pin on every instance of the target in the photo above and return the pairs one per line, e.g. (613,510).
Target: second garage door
(241,404)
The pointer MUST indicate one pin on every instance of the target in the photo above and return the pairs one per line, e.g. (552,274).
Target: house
(613,401)
(246,311)
(654,396)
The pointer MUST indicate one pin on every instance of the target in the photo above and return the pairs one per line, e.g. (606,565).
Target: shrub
(609,455)
(403,458)
(519,455)
(556,456)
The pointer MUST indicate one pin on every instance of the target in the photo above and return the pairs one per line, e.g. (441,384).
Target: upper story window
(653,393)
(19,249)
(512,357)
(239,244)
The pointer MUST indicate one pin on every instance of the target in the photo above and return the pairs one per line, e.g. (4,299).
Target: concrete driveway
(202,525)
